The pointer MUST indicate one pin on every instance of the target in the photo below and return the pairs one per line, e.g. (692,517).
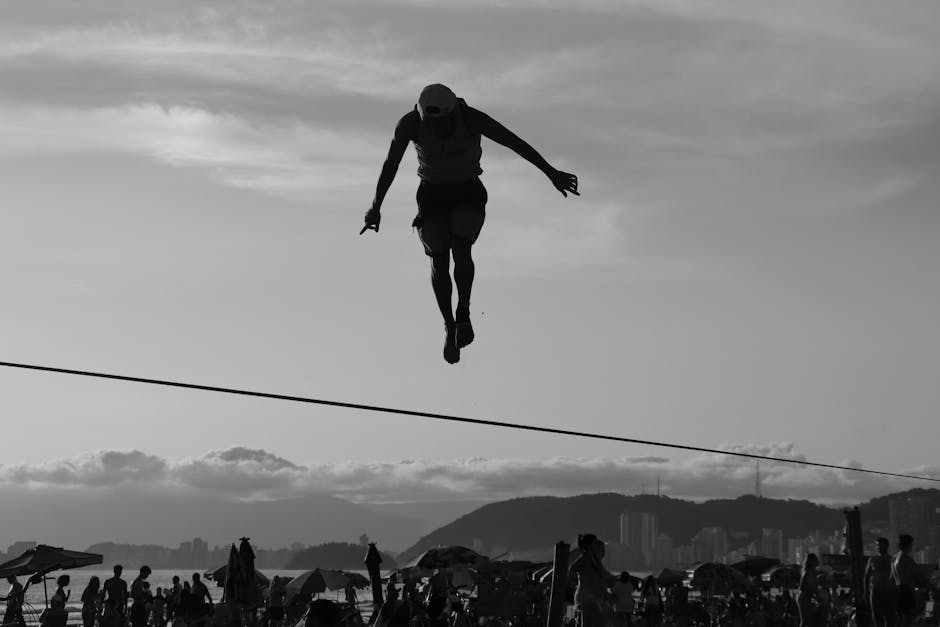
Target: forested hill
(540,522)
(877,508)
(336,556)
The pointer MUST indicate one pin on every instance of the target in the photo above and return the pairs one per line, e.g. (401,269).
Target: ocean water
(80,577)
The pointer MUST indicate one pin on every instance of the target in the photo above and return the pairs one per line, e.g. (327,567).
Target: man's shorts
(906,601)
(449,211)
(883,603)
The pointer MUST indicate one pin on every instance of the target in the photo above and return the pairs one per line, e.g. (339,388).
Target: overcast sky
(752,263)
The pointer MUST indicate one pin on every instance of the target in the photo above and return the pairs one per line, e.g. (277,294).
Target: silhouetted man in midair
(451,198)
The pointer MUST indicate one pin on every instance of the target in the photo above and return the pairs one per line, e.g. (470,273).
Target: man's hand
(373,218)
(565,182)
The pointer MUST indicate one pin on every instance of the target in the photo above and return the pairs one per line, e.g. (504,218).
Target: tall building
(200,553)
(772,543)
(663,551)
(639,531)
(683,555)
(710,544)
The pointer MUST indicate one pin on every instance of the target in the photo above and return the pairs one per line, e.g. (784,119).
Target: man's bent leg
(463,277)
(463,274)
(466,221)
(443,288)
(440,281)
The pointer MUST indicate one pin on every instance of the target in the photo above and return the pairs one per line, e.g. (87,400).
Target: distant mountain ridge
(79,518)
(533,523)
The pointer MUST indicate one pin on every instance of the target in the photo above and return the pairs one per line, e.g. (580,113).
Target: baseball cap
(436,101)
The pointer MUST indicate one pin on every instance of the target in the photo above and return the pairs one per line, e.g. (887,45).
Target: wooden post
(558,599)
(855,548)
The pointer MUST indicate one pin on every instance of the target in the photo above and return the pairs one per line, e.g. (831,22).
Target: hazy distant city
(639,544)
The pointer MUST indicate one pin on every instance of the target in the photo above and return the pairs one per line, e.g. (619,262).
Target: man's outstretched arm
(491,129)
(389,168)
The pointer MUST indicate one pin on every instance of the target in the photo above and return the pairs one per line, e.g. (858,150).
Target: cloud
(290,159)
(97,469)
(242,472)
(693,108)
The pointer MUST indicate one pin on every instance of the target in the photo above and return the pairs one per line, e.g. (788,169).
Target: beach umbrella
(782,576)
(669,577)
(43,559)
(246,580)
(358,580)
(218,575)
(232,573)
(316,581)
(373,562)
(712,575)
(755,566)
(448,556)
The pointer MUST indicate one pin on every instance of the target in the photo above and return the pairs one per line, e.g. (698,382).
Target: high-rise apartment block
(639,531)
(772,543)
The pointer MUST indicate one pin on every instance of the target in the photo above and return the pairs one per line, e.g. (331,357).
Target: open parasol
(448,556)
(320,580)
(782,576)
(755,566)
(219,574)
(43,559)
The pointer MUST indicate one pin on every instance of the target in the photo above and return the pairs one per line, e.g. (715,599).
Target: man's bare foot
(451,352)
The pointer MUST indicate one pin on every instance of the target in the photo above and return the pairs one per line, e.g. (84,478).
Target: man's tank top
(881,572)
(451,159)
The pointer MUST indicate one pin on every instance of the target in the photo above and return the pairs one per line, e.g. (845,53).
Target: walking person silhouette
(451,198)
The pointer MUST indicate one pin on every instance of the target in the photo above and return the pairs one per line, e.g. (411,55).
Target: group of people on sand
(55,615)
(893,585)
(115,604)
(603,599)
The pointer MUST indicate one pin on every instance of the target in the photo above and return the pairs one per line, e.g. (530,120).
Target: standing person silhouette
(907,576)
(451,198)
(200,596)
(90,601)
(277,599)
(14,601)
(809,599)
(114,596)
(593,580)
(879,586)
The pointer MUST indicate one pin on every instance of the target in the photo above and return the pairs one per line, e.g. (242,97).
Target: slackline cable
(449,418)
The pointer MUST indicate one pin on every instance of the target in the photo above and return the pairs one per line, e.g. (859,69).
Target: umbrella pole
(45,591)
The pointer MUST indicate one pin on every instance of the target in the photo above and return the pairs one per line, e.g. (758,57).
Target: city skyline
(640,537)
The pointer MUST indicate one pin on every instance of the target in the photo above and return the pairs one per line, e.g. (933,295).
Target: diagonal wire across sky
(449,418)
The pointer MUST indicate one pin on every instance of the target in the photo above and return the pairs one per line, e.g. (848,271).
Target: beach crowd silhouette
(485,593)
